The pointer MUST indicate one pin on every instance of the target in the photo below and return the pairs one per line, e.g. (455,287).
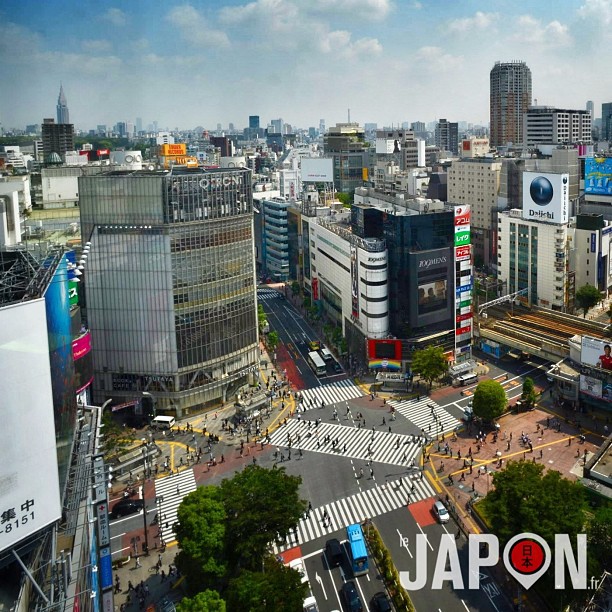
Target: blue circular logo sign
(541,191)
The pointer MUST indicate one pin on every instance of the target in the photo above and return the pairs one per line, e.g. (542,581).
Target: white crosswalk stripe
(267,294)
(356,508)
(391,448)
(332,393)
(172,489)
(420,413)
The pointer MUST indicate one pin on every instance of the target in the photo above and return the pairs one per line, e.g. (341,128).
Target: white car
(298,566)
(310,604)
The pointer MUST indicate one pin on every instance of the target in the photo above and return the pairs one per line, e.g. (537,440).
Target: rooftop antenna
(349,115)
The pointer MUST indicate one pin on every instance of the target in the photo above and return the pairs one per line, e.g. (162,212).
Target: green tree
(525,498)
(205,601)
(277,589)
(529,395)
(262,318)
(273,340)
(295,288)
(430,363)
(201,535)
(587,297)
(261,505)
(115,438)
(599,536)
(345,198)
(489,400)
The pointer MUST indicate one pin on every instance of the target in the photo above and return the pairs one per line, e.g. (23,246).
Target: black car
(126,506)
(337,367)
(351,597)
(380,603)
(333,552)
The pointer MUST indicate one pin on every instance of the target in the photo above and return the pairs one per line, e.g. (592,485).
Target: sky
(206,62)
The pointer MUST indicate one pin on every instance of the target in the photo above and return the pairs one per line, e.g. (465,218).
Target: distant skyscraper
(606,121)
(277,126)
(447,136)
(138,124)
(510,97)
(254,122)
(63,116)
(57,137)
(591,109)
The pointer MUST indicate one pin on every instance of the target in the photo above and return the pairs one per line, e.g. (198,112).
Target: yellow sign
(172,149)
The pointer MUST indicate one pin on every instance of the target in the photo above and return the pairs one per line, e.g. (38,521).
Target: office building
(345,142)
(545,125)
(275,240)
(225,144)
(171,285)
(475,182)
(254,122)
(63,115)
(57,138)
(510,97)
(590,107)
(606,121)
(447,136)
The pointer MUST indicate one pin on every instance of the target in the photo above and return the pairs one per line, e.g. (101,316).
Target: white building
(546,125)
(14,201)
(349,277)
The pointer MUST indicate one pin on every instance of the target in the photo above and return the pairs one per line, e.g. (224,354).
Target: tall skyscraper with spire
(510,97)
(63,116)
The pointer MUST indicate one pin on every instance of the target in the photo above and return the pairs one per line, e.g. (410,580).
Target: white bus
(465,379)
(315,361)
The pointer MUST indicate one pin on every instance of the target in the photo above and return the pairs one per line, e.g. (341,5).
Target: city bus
(359,552)
(315,361)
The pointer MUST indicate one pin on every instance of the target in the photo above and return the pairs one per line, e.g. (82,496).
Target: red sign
(384,349)
(464,330)
(463,219)
(467,145)
(464,317)
(315,288)
(463,252)
(81,346)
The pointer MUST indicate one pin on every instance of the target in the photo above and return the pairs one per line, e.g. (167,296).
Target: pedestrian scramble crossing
(391,448)
(357,508)
(420,413)
(332,393)
(268,294)
(172,489)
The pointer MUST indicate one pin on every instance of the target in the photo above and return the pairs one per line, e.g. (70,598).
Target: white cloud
(194,29)
(434,58)
(361,9)
(115,16)
(480,21)
(532,31)
(339,43)
(97,46)
(140,45)
(601,10)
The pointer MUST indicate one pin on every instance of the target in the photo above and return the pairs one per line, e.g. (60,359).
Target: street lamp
(144,501)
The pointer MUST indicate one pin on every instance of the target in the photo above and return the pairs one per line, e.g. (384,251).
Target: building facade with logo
(534,243)
(170,285)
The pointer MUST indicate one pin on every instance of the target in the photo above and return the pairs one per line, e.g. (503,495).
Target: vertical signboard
(463,284)
(354,282)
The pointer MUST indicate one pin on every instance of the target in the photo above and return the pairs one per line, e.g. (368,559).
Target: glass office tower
(170,285)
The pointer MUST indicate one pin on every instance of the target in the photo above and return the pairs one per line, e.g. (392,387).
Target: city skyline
(189,64)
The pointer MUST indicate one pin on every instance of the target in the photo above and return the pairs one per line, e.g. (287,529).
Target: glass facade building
(170,282)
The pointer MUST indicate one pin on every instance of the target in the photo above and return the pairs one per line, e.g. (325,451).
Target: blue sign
(463,289)
(593,243)
(598,175)
(106,568)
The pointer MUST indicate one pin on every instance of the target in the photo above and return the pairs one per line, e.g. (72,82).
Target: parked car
(337,367)
(333,552)
(439,509)
(380,603)
(351,597)
(126,506)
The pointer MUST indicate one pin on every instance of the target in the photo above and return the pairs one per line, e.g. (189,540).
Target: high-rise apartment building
(606,121)
(171,299)
(510,97)
(63,115)
(545,125)
(345,142)
(57,137)
(447,136)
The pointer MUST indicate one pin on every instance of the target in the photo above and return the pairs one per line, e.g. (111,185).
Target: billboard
(354,282)
(546,197)
(463,253)
(598,175)
(83,362)
(28,455)
(388,146)
(596,352)
(385,354)
(317,169)
(462,238)
(167,150)
(462,216)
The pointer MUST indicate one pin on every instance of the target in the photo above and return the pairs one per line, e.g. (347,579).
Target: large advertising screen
(546,197)
(387,146)
(596,388)
(83,362)
(385,354)
(596,352)
(433,296)
(354,282)
(598,175)
(30,483)
(317,170)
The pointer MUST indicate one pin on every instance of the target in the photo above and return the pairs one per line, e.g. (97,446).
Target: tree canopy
(600,538)
(272,340)
(489,400)
(587,297)
(205,601)
(529,395)
(525,498)
(430,363)
(261,505)
(277,589)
